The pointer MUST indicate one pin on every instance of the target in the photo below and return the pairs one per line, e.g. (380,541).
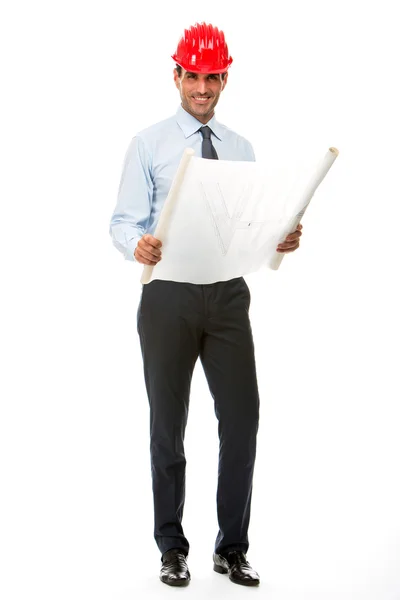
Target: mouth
(201,99)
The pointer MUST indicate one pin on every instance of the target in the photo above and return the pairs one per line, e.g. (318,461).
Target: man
(179,322)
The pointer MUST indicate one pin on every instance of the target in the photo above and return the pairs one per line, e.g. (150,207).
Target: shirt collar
(189,124)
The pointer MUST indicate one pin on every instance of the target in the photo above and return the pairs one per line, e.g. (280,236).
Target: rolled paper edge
(176,182)
(334,150)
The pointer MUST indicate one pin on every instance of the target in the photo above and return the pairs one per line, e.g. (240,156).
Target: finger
(293,236)
(142,260)
(288,246)
(292,244)
(152,240)
(286,250)
(145,261)
(148,255)
(149,249)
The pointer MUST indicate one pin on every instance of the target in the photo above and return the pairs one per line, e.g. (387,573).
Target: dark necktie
(207,148)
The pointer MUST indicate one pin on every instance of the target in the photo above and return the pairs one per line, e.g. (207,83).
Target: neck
(203,119)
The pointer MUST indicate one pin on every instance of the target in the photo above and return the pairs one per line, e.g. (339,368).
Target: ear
(224,82)
(176,79)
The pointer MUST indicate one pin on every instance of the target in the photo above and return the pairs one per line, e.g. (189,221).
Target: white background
(80,78)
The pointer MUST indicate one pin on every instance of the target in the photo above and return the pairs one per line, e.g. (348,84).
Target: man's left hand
(292,241)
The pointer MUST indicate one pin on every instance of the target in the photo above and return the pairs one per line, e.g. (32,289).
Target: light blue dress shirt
(150,165)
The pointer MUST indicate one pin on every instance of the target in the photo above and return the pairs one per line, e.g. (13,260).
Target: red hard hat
(202,49)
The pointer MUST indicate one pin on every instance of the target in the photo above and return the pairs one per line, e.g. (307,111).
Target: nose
(202,86)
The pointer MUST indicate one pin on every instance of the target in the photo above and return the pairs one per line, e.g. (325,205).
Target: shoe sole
(177,582)
(223,571)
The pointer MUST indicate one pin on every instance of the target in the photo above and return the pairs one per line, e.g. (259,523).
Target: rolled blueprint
(317,177)
(224,219)
(163,221)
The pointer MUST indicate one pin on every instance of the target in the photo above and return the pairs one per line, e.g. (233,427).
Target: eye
(213,77)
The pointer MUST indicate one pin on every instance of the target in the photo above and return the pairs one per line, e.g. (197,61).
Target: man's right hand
(147,250)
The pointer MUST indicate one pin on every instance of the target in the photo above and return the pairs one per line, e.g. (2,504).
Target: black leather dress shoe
(174,570)
(236,565)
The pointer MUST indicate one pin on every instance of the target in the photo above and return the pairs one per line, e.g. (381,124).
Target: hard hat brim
(202,68)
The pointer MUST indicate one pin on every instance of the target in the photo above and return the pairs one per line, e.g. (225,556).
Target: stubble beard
(196,111)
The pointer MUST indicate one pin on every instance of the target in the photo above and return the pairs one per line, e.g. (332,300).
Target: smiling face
(199,92)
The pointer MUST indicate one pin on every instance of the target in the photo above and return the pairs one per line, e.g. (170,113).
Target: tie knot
(205,132)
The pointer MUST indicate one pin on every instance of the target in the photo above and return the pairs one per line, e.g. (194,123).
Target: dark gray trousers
(177,323)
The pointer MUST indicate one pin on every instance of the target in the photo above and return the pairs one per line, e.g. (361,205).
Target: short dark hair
(179,70)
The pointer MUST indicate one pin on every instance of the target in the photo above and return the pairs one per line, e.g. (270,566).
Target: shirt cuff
(130,249)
